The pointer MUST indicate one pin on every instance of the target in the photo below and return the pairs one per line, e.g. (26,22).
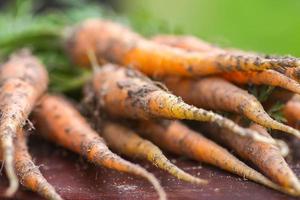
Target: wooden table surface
(76,179)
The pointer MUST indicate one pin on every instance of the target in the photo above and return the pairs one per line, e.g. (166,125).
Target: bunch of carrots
(138,91)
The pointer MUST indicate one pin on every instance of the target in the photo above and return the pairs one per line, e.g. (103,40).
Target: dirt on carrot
(265,156)
(267,77)
(218,94)
(175,137)
(126,93)
(127,142)
(23,80)
(58,121)
(28,173)
(292,73)
(114,43)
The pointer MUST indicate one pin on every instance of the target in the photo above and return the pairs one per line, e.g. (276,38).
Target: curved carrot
(114,43)
(218,94)
(267,157)
(23,80)
(28,173)
(268,77)
(127,93)
(57,120)
(177,138)
(127,142)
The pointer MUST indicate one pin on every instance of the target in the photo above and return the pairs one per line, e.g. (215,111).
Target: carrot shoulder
(58,121)
(218,94)
(177,138)
(24,79)
(127,142)
(114,43)
(126,93)
(28,173)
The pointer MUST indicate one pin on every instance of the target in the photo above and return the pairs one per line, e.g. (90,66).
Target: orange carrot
(127,93)
(187,42)
(28,173)
(114,43)
(267,157)
(268,77)
(23,80)
(177,138)
(218,94)
(57,120)
(127,142)
(291,111)
(293,73)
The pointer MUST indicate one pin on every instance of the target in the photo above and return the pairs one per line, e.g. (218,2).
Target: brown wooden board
(76,179)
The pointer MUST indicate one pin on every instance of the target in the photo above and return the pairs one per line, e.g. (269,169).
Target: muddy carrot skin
(267,77)
(218,94)
(288,80)
(126,93)
(292,73)
(114,43)
(28,173)
(127,142)
(175,137)
(265,156)
(23,80)
(58,121)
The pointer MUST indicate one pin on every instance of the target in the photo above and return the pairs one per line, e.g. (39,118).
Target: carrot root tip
(8,158)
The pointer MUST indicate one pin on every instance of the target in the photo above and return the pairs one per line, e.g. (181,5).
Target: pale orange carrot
(122,92)
(267,157)
(127,142)
(218,94)
(23,80)
(28,173)
(177,138)
(58,121)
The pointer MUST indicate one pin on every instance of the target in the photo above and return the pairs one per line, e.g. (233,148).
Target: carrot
(117,44)
(127,93)
(187,42)
(177,138)
(267,77)
(218,94)
(291,111)
(28,173)
(127,142)
(293,73)
(57,120)
(265,156)
(24,79)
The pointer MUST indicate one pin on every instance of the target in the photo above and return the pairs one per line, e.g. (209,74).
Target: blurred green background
(269,26)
